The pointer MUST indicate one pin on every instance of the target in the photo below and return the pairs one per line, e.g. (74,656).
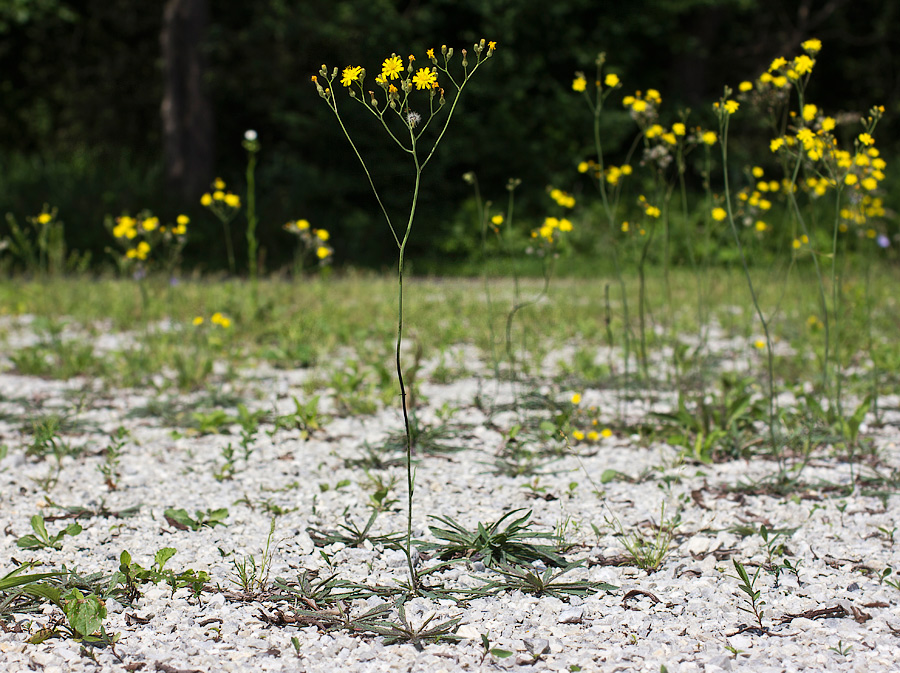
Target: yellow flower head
(578,435)
(679,129)
(206,199)
(719,214)
(593,436)
(220,320)
(809,112)
(302,225)
(322,252)
(803,64)
(323,234)
(778,64)
(576,398)
(232,200)
(866,139)
(812,46)
(709,137)
(197,321)
(425,78)
(611,80)
(218,184)
(497,220)
(183,219)
(761,226)
(44,218)
(606,433)
(745,86)
(759,344)
(392,67)
(579,83)
(776,144)
(351,74)
(150,224)
(430,53)
(583,167)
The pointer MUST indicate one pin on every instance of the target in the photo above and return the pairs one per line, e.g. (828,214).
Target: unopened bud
(465,61)
(444,49)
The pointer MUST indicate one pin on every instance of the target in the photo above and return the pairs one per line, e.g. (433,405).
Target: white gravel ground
(685,617)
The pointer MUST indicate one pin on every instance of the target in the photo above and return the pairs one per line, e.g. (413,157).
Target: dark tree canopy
(83,82)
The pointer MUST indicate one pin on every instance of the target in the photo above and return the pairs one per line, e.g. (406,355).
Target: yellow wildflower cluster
(649,209)
(643,104)
(552,228)
(217,318)
(562,198)
(312,241)
(140,235)
(615,173)
(862,169)
(218,200)
(580,417)
(398,78)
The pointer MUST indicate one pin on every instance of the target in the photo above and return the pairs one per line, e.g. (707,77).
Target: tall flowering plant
(413,103)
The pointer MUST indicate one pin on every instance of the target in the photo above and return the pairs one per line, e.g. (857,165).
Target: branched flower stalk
(401,88)
(725,108)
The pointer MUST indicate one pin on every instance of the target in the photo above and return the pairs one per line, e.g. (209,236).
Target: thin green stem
(723,132)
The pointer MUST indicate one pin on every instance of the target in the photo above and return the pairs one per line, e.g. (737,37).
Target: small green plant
(841,649)
(544,583)
(492,543)
(491,651)
(649,553)
(84,615)
(112,456)
(41,539)
(211,518)
(305,418)
(227,469)
(353,535)
(127,580)
(211,422)
(752,594)
(885,575)
(250,575)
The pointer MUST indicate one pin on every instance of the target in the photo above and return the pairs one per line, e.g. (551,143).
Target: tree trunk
(187,116)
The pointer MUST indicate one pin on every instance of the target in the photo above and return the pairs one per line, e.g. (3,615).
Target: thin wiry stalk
(723,133)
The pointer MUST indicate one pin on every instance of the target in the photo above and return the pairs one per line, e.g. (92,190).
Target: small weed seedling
(250,575)
(112,456)
(648,554)
(181,520)
(491,651)
(305,418)
(492,544)
(532,581)
(41,539)
(353,536)
(126,581)
(748,586)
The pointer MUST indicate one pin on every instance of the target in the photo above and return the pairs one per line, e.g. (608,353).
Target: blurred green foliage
(80,92)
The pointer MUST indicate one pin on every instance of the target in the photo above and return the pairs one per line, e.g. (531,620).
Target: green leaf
(162,556)
(85,613)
